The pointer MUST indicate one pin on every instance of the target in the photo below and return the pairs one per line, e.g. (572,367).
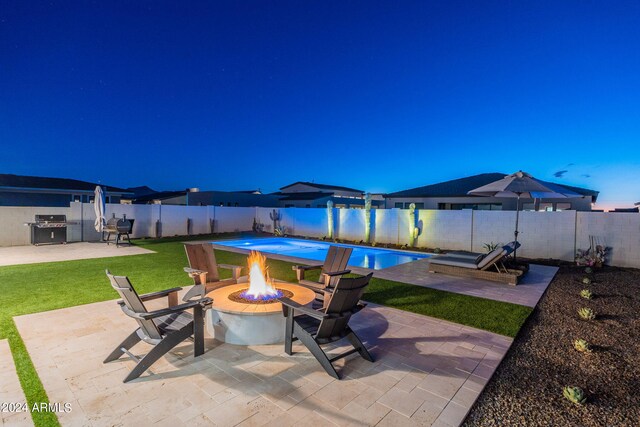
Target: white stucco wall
(542,234)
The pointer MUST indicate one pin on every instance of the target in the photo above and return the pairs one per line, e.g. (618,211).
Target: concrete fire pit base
(250,324)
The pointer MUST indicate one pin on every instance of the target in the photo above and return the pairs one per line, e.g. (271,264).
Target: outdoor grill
(118,227)
(49,229)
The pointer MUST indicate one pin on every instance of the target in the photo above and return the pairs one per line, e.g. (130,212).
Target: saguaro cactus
(413,230)
(367,217)
(330,219)
(275,216)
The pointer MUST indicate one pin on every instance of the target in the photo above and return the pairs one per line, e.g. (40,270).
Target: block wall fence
(542,234)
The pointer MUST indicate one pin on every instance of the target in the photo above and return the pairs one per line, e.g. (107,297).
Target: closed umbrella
(99,208)
(522,185)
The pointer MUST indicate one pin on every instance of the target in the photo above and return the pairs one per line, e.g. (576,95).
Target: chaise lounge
(480,266)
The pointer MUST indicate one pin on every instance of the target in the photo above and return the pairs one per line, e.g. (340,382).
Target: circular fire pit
(236,320)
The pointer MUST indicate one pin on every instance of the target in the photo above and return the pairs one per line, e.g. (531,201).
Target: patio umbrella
(100,208)
(522,185)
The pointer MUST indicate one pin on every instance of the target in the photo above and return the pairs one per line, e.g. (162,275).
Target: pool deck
(528,292)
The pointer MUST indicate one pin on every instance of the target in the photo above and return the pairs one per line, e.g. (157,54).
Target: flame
(260,284)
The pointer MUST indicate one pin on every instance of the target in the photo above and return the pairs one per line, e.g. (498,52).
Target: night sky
(382,96)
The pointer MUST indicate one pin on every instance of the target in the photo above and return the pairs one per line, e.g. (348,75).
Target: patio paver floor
(427,371)
(10,391)
(14,255)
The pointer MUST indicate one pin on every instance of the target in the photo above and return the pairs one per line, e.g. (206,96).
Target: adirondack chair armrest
(204,303)
(301,269)
(307,267)
(336,273)
(290,305)
(236,270)
(159,294)
(194,271)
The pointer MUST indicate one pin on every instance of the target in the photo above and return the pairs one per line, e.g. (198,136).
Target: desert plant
(413,230)
(586,313)
(275,216)
(279,231)
(437,250)
(367,217)
(330,219)
(588,270)
(575,395)
(586,294)
(490,247)
(586,280)
(374,244)
(582,345)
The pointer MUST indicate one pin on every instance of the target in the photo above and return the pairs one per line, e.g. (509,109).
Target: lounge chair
(203,269)
(318,327)
(482,266)
(334,266)
(509,247)
(164,328)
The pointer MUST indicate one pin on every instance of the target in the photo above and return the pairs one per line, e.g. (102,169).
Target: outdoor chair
(315,328)
(164,328)
(479,266)
(334,266)
(203,269)
(509,248)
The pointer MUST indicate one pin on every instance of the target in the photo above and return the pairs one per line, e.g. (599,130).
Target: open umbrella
(522,185)
(99,207)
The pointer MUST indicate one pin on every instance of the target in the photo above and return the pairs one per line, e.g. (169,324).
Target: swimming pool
(365,257)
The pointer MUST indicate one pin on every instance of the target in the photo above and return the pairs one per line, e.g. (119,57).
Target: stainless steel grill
(48,229)
(120,227)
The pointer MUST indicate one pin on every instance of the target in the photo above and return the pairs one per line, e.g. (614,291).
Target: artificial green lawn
(40,287)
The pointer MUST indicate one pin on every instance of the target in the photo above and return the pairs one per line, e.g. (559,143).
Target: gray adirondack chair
(334,266)
(203,269)
(317,327)
(164,328)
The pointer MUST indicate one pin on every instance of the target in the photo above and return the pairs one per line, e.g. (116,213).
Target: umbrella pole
(516,232)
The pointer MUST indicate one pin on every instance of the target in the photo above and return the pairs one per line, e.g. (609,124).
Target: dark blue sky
(381,96)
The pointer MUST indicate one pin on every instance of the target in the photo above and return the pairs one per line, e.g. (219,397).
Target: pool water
(366,257)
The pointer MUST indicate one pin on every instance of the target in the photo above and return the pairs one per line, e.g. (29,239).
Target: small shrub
(374,244)
(586,280)
(404,246)
(582,346)
(575,395)
(437,250)
(490,247)
(586,294)
(586,313)
(588,270)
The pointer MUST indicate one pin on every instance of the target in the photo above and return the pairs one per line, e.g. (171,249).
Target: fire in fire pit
(261,289)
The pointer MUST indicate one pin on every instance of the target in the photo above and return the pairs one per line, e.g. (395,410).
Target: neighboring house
(195,197)
(311,195)
(21,190)
(452,195)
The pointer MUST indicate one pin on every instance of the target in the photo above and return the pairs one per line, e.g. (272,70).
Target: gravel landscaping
(527,387)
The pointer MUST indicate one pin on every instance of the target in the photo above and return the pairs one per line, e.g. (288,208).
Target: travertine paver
(14,255)
(10,392)
(425,371)
(528,292)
